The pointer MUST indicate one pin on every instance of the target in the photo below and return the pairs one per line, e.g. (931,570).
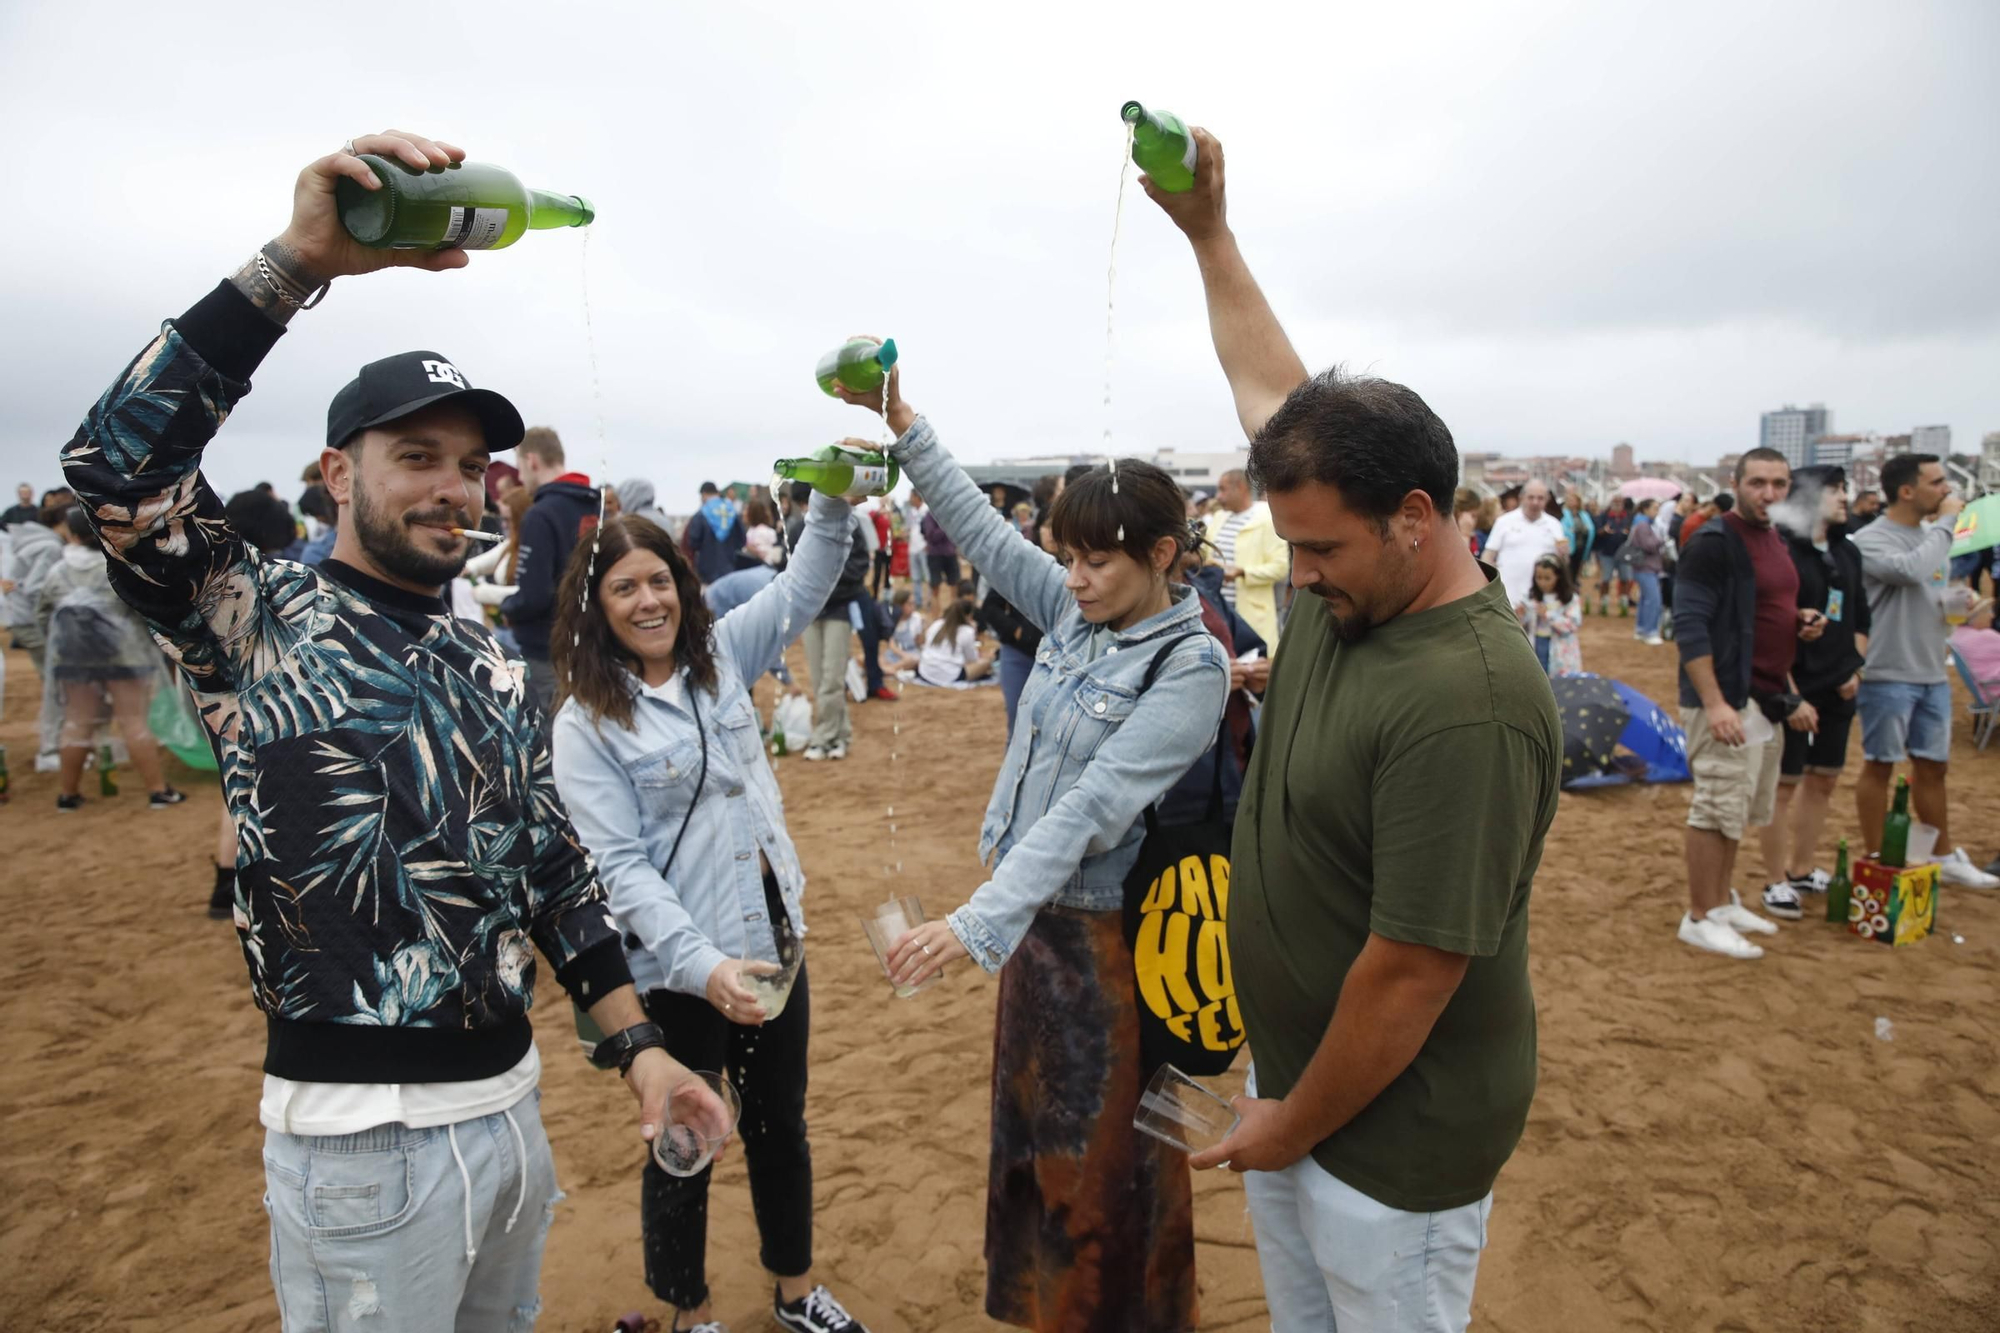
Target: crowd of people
(440,758)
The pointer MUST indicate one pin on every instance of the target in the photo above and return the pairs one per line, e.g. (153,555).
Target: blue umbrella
(1614,734)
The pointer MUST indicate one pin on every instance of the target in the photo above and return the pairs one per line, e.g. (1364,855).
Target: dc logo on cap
(444,372)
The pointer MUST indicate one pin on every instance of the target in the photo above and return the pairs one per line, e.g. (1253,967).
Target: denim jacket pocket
(1096,711)
(665,779)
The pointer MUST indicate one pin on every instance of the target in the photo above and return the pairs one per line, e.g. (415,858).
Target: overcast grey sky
(1564,224)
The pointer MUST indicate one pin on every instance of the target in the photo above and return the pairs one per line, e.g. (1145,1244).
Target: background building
(1791,430)
(1931,440)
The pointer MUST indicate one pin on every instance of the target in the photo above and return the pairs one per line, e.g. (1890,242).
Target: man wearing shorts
(1827,674)
(1736,626)
(1905,696)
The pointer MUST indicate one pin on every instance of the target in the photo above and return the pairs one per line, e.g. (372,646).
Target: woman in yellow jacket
(1254,560)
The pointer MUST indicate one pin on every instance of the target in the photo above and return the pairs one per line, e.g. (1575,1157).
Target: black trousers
(768,1067)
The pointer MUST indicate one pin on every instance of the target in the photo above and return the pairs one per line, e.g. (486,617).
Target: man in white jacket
(1520,538)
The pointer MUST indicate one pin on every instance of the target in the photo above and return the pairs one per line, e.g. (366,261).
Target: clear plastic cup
(889,923)
(771,983)
(1183,1113)
(692,1135)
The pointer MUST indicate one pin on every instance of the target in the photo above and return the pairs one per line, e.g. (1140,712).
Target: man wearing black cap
(401,850)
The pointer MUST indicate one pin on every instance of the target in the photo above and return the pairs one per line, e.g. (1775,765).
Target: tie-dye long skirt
(1089,1223)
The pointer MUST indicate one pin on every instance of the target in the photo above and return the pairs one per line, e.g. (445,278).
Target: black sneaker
(65,804)
(160,800)
(815,1312)
(1813,881)
(1782,900)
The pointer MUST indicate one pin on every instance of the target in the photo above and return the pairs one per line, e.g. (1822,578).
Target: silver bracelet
(270,275)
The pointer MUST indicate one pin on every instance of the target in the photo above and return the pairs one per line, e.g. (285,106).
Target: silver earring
(1414,546)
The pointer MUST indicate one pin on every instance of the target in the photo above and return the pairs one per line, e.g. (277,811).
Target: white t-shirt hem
(322,1110)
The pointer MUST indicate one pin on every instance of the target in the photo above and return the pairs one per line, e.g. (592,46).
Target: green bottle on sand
(1839,890)
(466,206)
(1896,829)
(1162,146)
(105,786)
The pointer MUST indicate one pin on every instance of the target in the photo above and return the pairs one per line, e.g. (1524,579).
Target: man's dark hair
(1724,502)
(1044,493)
(1372,440)
(1903,470)
(1076,472)
(1512,493)
(78,523)
(708,488)
(261,519)
(317,502)
(802,492)
(1758,455)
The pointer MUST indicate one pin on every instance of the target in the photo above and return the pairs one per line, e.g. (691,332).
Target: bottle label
(474,228)
(868,480)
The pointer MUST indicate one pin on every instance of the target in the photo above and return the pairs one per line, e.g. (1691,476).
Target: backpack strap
(1153,674)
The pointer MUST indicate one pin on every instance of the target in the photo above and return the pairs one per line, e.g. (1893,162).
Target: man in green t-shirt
(1405,775)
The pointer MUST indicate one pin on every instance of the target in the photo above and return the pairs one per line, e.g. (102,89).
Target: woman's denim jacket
(1089,754)
(627,789)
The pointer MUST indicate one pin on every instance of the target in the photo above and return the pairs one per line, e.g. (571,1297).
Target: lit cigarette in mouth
(475,535)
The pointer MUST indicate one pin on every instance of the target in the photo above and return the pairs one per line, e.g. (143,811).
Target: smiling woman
(660,761)
(644,617)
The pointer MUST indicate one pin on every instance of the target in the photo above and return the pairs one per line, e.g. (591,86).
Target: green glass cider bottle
(465,206)
(1840,890)
(839,471)
(858,366)
(105,786)
(1162,146)
(1896,829)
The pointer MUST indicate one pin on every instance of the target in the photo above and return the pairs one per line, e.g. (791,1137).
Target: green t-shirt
(1402,786)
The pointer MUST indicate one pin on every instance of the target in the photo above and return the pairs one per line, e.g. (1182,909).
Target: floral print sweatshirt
(400,845)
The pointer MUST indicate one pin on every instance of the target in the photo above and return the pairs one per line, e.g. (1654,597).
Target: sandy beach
(1715,1145)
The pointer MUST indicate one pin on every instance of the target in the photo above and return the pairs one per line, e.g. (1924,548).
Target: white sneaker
(1814,881)
(837,752)
(1957,868)
(1653,641)
(1780,900)
(1712,935)
(1740,918)
(815,753)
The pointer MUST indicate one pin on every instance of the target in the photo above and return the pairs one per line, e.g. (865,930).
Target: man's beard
(387,541)
(1350,628)
(1396,587)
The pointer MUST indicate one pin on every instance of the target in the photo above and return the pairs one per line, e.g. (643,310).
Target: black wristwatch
(618,1050)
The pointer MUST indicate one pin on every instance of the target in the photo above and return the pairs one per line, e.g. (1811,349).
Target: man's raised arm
(1256,356)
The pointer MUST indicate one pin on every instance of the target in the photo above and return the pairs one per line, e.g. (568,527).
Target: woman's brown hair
(590,663)
(944,632)
(516,503)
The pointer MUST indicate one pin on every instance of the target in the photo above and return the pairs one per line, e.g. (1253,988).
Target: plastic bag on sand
(793,719)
